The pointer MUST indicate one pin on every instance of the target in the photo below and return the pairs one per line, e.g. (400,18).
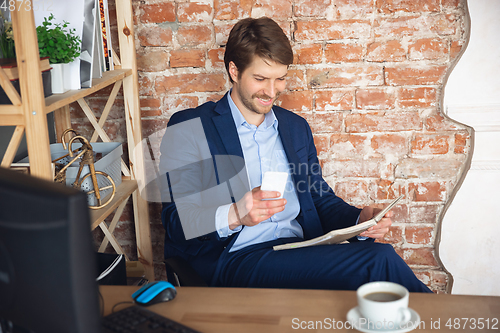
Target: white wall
(470,233)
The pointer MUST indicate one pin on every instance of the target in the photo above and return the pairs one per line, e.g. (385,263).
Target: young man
(219,219)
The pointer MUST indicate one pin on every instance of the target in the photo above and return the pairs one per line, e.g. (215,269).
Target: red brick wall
(368,76)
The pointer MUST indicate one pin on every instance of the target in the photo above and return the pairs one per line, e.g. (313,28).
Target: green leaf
(58,42)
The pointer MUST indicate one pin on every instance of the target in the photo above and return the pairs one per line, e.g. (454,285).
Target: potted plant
(61,45)
(7,39)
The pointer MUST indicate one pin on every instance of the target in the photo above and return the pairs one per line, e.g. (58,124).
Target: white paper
(88,41)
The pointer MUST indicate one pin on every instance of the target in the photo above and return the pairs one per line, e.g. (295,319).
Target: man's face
(256,89)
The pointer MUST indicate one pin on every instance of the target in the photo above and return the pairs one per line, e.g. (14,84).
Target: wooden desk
(278,310)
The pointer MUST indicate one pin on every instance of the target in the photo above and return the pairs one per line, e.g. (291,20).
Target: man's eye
(259,79)
(282,79)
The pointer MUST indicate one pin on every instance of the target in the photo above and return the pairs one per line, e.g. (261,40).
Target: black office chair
(180,273)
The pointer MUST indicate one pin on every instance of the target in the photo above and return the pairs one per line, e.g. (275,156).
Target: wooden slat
(126,38)
(57,101)
(112,240)
(7,109)
(33,100)
(10,152)
(62,119)
(134,269)
(93,120)
(123,192)
(13,72)
(112,225)
(106,110)
(12,120)
(116,59)
(9,89)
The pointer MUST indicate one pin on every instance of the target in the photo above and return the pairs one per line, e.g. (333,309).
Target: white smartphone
(274,181)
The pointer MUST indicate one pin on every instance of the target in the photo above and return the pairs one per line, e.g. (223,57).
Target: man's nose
(270,89)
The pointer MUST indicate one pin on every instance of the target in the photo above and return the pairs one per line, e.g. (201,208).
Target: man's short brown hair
(261,37)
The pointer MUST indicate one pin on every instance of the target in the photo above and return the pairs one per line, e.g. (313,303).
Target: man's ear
(233,71)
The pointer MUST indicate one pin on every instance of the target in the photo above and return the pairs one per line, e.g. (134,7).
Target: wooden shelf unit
(57,101)
(28,114)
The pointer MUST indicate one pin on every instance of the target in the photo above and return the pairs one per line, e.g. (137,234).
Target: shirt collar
(269,119)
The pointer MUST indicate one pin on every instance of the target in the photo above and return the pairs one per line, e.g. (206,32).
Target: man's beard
(248,103)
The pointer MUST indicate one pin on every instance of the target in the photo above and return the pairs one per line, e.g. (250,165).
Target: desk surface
(281,310)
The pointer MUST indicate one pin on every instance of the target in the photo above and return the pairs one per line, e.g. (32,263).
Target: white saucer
(354,316)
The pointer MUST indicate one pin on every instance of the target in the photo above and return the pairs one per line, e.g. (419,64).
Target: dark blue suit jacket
(321,210)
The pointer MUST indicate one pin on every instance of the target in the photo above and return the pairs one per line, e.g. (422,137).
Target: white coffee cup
(383,304)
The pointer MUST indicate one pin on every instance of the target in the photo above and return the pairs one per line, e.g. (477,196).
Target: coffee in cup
(383,305)
(382,296)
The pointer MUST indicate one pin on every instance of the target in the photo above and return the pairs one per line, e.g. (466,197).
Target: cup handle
(404,315)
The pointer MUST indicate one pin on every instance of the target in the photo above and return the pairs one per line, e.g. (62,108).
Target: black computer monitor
(47,260)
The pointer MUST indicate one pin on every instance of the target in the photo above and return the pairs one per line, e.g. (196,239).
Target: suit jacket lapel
(286,139)
(224,124)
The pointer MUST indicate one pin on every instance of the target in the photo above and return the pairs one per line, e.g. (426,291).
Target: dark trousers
(335,267)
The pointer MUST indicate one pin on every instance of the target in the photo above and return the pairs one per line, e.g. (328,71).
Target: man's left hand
(378,231)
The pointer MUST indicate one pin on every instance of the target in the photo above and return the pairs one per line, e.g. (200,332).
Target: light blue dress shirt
(262,151)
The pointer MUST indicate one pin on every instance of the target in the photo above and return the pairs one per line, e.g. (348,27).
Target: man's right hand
(253,209)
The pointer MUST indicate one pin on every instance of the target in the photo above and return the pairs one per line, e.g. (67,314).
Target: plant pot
(60,80)
(46,80)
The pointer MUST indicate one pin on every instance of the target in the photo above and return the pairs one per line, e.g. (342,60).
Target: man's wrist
(222,221)
(361,238)
(234,220)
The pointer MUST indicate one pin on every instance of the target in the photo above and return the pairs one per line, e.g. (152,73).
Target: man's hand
(252,209)
(378,231)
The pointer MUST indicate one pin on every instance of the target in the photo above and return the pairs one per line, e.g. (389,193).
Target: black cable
(126,302)
(101,303)
(101,300)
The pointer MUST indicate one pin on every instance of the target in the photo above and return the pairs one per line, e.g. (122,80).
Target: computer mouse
(154,292)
